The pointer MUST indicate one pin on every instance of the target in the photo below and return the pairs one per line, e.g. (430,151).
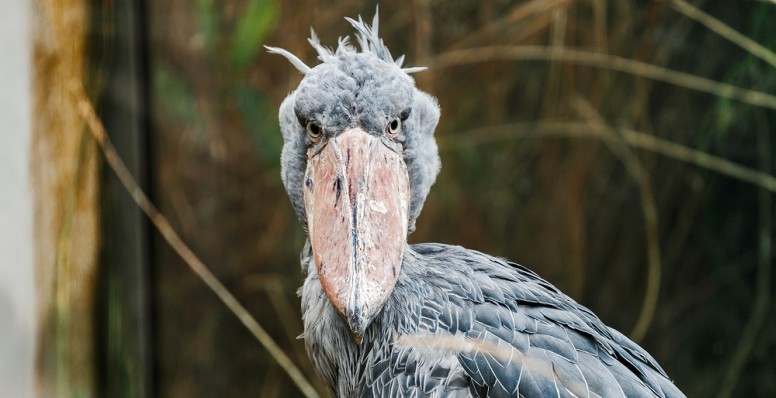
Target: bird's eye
(314,131)
(393,127)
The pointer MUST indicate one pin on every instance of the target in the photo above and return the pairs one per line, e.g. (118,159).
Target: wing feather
(542,343)
(495,329)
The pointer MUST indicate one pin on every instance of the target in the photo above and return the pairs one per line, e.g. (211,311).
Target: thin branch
(555,79)
(725,31)
(619,147)
(603,61)
(599,25)
(701,159)
(513,17)
(637,139)
(165,229)
(423,28)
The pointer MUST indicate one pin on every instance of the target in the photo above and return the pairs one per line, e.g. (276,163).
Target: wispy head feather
(324,54)
(368,39)
(298,64)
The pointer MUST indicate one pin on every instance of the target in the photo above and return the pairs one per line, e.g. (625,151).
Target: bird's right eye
(314,130)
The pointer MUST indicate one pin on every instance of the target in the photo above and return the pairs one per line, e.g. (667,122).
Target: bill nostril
(338,189)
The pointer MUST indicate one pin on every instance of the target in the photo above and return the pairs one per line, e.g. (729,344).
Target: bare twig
(604,61)
(599,25)
(699,158)
(554,80)
(720,28)
(423,22)
(195,264)
(637,139)
(619,147)
(514,16)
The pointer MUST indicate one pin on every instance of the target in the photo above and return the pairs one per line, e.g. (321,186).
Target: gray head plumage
(366,88)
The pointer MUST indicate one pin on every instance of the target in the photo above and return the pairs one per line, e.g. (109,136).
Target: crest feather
(324,54)
(368,39)
(298,64)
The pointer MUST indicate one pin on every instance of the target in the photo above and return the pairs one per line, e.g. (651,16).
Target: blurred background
(624,150)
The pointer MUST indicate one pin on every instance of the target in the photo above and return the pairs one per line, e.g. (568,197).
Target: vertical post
(125,321)
(65,178)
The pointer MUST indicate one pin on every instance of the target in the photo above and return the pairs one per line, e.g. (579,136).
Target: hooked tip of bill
(358,322)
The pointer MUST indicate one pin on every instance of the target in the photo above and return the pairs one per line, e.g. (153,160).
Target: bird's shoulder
(488,327)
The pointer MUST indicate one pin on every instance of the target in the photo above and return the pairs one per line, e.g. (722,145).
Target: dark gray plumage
(453,322)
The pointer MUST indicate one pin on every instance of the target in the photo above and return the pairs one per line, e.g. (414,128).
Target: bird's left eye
(314,130)
(393,127)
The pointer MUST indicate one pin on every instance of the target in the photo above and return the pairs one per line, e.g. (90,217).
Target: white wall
(17,306)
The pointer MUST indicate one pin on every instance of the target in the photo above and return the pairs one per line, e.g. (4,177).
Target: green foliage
(725,114)
(746,70)
(260,124)
(172,93)
(253,26)
(208,22)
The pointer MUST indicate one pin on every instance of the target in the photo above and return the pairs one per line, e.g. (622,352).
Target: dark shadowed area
(592,141)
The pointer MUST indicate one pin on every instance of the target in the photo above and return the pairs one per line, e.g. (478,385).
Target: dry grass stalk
(603,61)
(517,14)
(649,209)
(719,27)
(633,138)
(195,264)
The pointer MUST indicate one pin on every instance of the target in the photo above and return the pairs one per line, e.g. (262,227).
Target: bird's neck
(330,343)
